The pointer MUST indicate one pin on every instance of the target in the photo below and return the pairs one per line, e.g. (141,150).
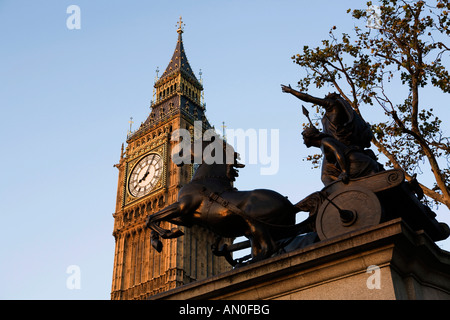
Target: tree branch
(427,191)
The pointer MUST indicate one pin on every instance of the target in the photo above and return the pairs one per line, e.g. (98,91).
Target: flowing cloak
(354,132)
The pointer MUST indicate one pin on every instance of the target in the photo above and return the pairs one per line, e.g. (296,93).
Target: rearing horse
(209,200)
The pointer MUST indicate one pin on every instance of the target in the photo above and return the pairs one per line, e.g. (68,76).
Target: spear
(306,113)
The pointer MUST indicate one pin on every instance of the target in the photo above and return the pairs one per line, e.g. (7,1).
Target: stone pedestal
(388,261)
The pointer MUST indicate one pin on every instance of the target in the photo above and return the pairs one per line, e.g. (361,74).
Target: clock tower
(150,181)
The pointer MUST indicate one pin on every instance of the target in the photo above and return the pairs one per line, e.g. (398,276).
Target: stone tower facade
(149,181)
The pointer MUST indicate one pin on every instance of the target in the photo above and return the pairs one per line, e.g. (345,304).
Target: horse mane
(231,171)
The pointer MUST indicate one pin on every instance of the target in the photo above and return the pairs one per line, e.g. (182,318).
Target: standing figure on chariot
(342,123)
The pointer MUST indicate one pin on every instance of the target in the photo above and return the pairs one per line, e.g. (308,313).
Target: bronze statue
(344,162)
(210,200)
(343,124)
(340,120)
(358,193)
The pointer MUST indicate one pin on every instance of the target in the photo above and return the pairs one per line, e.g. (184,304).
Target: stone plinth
(387,261)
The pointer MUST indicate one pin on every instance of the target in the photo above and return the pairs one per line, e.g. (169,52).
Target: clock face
(146,173)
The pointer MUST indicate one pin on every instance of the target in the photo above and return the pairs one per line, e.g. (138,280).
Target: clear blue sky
(66,97)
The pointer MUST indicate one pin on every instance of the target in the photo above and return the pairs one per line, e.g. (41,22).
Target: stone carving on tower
(149,181)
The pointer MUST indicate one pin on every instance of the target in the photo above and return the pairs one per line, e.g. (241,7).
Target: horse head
(212,154)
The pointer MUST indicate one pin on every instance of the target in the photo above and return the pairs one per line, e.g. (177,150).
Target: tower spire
(179,61)
(177,89)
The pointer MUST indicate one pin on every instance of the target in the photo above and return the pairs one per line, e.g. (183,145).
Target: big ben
(148,181)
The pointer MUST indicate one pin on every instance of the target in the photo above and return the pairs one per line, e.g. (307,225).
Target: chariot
(341,208)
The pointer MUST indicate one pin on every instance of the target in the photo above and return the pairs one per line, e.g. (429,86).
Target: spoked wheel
(347,210)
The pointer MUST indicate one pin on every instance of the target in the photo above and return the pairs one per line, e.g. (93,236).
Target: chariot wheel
(347,210)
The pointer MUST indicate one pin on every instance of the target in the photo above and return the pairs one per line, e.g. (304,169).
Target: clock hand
(147,172)
(144,177)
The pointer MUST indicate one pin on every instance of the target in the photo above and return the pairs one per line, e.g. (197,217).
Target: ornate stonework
(139,270)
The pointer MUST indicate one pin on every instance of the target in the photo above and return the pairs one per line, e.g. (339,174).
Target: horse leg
(263,245)
(172,212)
(156,243)
(158,232)
(164,215)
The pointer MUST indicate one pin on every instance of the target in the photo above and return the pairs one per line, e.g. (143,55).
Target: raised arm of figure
(304,96)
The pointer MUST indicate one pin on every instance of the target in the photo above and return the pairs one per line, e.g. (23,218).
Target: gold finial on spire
(131,124)
(224,137)
(180,25)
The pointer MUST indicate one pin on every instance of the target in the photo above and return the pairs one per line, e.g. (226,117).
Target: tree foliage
(396,42)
